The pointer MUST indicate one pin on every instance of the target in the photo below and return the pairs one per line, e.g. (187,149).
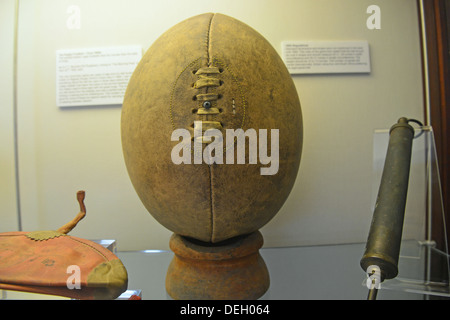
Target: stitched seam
(217,62)
(211,194)
(208,37)
(241,90)
(173,89)
(211,191)
(92,247)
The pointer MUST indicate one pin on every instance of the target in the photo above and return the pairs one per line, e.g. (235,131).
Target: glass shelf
(326,272)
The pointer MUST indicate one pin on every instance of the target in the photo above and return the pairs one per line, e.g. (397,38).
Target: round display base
(231,270)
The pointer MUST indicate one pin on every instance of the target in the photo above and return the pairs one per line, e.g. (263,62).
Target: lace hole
(206,104)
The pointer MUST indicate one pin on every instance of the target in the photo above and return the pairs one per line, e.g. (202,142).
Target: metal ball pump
(383,243)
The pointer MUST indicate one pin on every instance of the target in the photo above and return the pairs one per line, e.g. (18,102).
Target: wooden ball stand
(230,270)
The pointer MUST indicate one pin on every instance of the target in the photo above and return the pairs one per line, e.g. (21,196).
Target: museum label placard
(310,57)
(94,76)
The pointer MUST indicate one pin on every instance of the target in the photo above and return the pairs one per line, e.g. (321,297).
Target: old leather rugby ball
(212,73)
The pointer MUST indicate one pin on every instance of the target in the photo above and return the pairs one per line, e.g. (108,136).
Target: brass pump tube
(383,244)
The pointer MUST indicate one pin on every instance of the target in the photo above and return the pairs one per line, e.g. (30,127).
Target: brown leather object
(40,262)
(216,59)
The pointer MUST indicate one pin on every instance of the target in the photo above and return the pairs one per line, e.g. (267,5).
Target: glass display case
(314,248)
(332,271)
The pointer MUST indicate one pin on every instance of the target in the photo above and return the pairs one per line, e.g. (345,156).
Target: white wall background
(62,151)
(8,211)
